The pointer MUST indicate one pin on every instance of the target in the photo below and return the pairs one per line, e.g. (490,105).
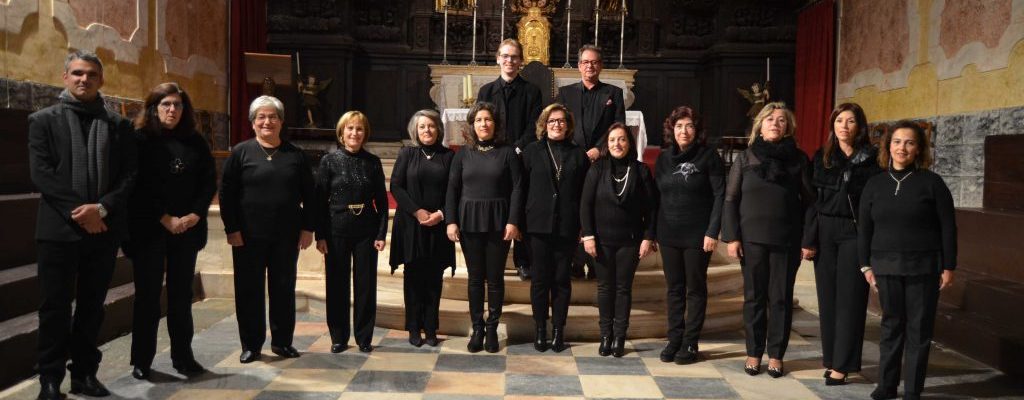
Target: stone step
(999,343)
(19,287)
(17,238)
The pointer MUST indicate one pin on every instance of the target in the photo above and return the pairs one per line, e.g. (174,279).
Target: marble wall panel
(953,183)
(1011,121)
(949,129)
(44,95)
(981,124)
(972,189)
(19,95)
(948,159)
(972,159)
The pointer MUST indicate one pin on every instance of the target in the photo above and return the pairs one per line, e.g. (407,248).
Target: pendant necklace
(428,156)
(624,181)
(270,156)
(558,168)
(899,181)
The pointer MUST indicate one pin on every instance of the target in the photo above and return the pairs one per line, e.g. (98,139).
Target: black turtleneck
(768,195)
(692,187)
(619,220)
(346,178)
(552,205)
(484,188)
(911,231)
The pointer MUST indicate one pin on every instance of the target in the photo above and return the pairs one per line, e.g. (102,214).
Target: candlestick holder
(468,101)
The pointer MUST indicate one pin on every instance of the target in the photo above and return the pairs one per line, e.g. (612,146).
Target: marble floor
(396,370)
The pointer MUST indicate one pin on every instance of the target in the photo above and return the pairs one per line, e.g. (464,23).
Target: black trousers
(485,254)
(616,267)
(352,257)
(152,258)
(769,273)
(270,263)
(908,321)
(842,294)
(686,278)
(551,277)
(422,283)
(77,271)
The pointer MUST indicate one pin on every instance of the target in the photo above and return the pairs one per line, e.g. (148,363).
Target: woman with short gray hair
(419,182)
(266,187)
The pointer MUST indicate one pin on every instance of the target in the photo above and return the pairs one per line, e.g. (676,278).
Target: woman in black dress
(266,199)
(767,197)
(177,180)
(841,169)
(418,240)
(482,210)
(618,209)
(691,181)
(555,167)
(350,189)
(907,249)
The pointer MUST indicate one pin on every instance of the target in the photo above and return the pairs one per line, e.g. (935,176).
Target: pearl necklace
(624,180)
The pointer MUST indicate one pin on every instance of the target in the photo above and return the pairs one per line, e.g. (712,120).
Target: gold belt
(356,209)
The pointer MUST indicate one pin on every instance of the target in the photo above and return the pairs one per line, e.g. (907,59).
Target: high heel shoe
(476,341)
(830,381)
(752,369)
(605,349)
(776,372)
(540,342)
(828,372)
(619,347)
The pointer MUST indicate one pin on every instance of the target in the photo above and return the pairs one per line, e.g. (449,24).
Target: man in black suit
(83,161)
(595,104)
(519,104)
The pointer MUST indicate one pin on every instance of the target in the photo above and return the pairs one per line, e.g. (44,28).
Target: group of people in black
(561,180)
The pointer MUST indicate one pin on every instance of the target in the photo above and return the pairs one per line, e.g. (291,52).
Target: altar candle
(768,73)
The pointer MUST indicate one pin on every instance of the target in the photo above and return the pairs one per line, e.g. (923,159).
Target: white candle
(768,73)
(298,64)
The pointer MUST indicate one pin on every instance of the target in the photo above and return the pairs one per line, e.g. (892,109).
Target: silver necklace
(558,168)
(624,181)
(428,156)
(899,181)
(270,156)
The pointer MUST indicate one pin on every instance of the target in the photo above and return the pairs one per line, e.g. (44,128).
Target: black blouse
(838,187)
(267,199)
(484,189)
(617,220)
(553,203)
(419,182)
(910,231)
(176,177)
(347,179)
(692,188)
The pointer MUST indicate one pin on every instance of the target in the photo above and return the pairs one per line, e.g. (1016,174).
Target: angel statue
(757,97)
(310,90)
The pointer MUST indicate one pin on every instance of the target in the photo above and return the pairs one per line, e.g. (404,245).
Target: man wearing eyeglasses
(82,159)
(519,104)
(595,104)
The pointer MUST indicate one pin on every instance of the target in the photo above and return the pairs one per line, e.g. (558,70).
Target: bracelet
(865,269)
(586,238)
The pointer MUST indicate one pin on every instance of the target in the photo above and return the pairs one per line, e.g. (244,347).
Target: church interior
(955,67)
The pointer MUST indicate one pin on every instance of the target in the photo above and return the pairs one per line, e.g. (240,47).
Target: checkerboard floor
(397,370)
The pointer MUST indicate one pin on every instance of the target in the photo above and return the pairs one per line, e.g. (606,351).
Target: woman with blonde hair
(350,189)
(767,196)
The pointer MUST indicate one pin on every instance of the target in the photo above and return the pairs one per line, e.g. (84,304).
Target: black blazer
(519,115)
(49,153)
(553,207)
(614,109)
(613,220)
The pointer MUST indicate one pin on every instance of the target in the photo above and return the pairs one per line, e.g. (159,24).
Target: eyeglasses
(556,122)
(166,105)
(272,118)
(509,57)
(594,63)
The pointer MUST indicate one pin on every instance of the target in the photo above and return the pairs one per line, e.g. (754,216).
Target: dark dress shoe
(828,371)
(415,339)
(188,368)
(669,353)
(619,347)
(491,339)
(830,381)
(558,339)
(338,347)
(540,343)
(776,372)
(752,369)
(365,347)
(881,393)
(431,339)
(285,351)
(49,390)
(523,272)
(140,373)
(476,341)
(89,386)
(605,348)
(687,355)
(248,356)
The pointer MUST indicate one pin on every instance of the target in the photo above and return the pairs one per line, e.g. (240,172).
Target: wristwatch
(102,210)
(865,268)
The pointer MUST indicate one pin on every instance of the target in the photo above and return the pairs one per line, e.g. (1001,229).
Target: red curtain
(815,72)
(248,34)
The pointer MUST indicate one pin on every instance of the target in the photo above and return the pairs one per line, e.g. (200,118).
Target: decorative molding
(97,35)
(875,76)
(975,52)
(14,14)
(192,65)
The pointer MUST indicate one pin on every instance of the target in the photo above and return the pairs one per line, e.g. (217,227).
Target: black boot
(491,339)
(558,339)
(431,339)
(540,343)
(49,389)
(687,355)
(415,339)
(89,386)
(619,346)
(605,349)
(476,340)
(669,353)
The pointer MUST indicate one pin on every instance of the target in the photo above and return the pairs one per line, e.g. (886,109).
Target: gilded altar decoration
(454,6)
(611,6)
(535,36)
(547,7)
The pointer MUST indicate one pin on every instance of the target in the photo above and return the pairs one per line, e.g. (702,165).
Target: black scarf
(89,154)
(681,156)
(775,157)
